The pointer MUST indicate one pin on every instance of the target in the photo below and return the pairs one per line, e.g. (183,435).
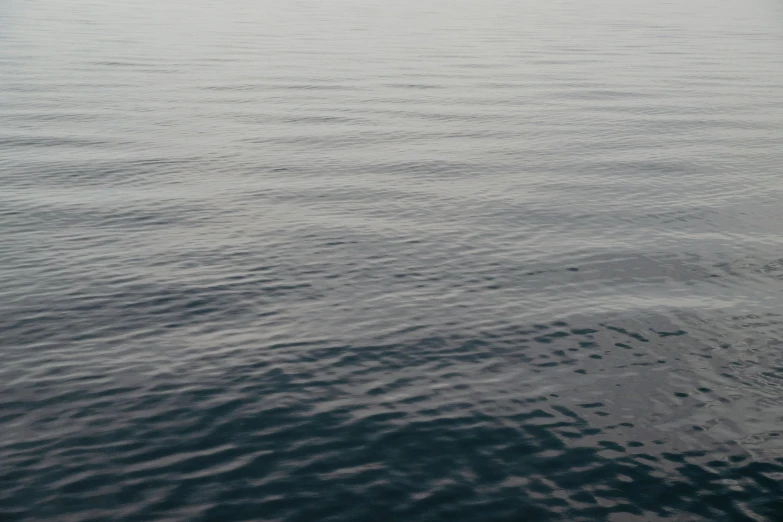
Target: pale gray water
(239,237)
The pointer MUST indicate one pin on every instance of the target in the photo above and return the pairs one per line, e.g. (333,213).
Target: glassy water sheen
(379,260)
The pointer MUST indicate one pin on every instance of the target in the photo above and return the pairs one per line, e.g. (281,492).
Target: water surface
(408,261)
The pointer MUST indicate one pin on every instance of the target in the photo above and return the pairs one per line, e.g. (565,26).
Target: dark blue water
(391,261)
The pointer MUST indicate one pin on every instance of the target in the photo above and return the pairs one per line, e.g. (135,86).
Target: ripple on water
(423,261)
(547,422)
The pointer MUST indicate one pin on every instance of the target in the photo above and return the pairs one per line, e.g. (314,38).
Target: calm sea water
(391,261)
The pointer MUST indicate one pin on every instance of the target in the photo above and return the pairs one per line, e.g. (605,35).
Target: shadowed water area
(410,261)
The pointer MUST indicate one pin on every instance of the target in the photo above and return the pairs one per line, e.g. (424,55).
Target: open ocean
(391,260)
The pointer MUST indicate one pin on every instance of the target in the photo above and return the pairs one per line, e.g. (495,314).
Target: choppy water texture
(391,261)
